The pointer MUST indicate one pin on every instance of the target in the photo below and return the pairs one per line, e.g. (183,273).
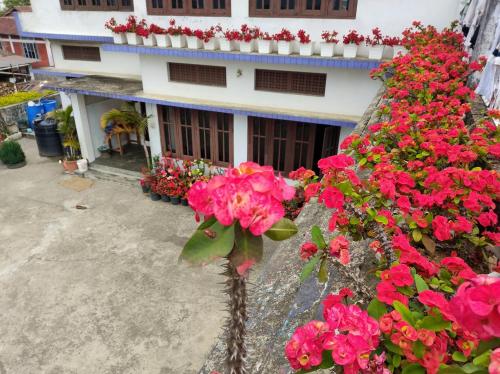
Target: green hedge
(19,97)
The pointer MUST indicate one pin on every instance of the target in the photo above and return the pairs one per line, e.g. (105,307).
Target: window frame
(289,80)
(196,73)
(79,58)
(34,50)
(103,7)
(326,11)
(188,10)
(195,135)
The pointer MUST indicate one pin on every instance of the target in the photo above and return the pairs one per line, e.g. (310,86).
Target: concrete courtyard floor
(98,291)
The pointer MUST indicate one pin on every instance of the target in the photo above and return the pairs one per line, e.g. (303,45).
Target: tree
(13,3)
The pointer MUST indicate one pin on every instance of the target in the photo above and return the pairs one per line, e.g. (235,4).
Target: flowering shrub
(231,35)
(330,36)
(391,41)
(304,37)
(248,33)
(115,27)
(284,35)
(173,28)
(428,190)
(155,29)
(211,32)
(352,37)
(375,38)
(143,30)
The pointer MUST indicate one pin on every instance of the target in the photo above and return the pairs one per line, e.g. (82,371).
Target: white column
(344,133)
(48,49)
(65,99)
(83,127)
(240,139)
(154,130)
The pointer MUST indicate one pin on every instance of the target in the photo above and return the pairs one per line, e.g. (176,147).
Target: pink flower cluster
(476,306)
(349,333)
(251,194)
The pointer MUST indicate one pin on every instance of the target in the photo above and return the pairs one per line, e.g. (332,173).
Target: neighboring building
(15,67)
(226,106)
(11,42)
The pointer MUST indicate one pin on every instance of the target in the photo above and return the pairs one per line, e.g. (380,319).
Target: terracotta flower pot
(70,166)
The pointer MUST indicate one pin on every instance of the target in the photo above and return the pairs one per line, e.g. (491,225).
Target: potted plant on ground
(375,44)
(351,42)
(162,188)
(148,38)
(247,38)
(284,39)
(161,35)
(264,43)
(209,38)
(175,195)
(153,192)
(306,45)
(328,44)
(176,35)
(228,41)
(12,155)
(194,38)
(67,128)
(132,24)
(117,30)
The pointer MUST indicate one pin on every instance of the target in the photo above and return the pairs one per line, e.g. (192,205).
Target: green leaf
(309,267)
(417,235)
(434,323)
(202,248)
(376,309)
(382,219)
(345,187)
(458,356)
(393,348)
(485,345)
(323,271)
(205,225)
(281,230)
(420,283)
(419,349)
(248,247)
(371,212)
(413,369)
(362,161)
(317,237)
(404,311)
(483,359)
(465,369)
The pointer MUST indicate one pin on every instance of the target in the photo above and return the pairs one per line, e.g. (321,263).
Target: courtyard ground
(99,290)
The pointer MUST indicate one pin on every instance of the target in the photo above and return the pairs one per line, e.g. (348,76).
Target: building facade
(229,107)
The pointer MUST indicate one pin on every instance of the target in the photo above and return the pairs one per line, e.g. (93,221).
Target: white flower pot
(306,49)
(226,45)
(162,40)
(134,39)
(284,47)
(375,52)
(178,41)
(150,41)
(193,42)
(211,45)
(327,49)
(350,50)
(399,49)
(247,47)
(120,38)
(265,46)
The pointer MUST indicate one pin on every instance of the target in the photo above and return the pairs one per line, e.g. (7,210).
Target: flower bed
(428,206)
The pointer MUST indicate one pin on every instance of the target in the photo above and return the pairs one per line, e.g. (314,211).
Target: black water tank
(47,137)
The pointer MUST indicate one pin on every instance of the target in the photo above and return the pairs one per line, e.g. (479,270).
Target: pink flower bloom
(494,367)
(442,228)
(343,353)
(399,275)
(339,247)
(427,337)
(304,350)
(387,293)
(332,198)
(337,162)
(435,299)
(307,250)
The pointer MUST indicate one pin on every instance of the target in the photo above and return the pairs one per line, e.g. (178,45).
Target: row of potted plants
(248,39)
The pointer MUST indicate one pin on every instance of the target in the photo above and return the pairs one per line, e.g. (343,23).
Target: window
(82,53)
(303,8)
(190,7)
(197,74)
(102,5)
(193,134)
(290,82)
(30,50)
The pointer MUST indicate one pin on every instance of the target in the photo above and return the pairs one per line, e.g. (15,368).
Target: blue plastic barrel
(32,110)
(48,105)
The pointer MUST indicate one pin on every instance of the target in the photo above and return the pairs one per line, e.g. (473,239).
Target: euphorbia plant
(284,35)
(238,208)
(115,27)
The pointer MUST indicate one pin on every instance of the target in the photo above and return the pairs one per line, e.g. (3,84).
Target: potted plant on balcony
(395,43)
(132,24)
(305,43)
(264,42)
(375,44)
(117,30)
(328,44)
(284,39)
(351,42)
(67,128)
(194,38)
(161,35)
(210,39)
(176,35)
(247,38)
(12,155)
(229,39)
(148,38)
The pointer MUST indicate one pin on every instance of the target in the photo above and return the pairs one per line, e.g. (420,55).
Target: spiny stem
(236,349)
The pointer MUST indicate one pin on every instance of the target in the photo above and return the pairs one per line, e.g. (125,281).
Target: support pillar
(240,139)
(154,130)
(83,127)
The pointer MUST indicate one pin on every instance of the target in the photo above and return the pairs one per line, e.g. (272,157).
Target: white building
(287,111)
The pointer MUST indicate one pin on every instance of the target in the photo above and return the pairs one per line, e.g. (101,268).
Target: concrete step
(112,174)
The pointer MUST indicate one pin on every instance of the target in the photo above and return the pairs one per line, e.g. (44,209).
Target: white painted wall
(154,130)
(392,16)
(120,64)
(348,92)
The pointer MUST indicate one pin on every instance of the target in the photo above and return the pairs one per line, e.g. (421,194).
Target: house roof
(7,21)
(21,9)
(8,61)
